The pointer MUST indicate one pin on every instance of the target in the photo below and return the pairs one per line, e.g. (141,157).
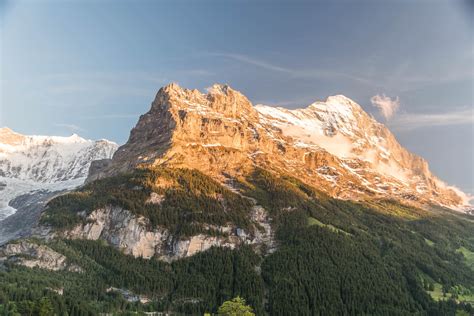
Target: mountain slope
(332,257)
(212,198)
(333,145)
(48,163)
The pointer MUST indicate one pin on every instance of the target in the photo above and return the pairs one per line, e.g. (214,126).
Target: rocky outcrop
(120,229)
(32,255)
(333,145)
(130,296)
(133,235)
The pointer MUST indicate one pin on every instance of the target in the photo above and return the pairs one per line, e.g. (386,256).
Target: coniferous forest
(333,257)
(236,158)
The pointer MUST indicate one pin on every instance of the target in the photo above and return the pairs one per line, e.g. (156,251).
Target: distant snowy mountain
(47,163)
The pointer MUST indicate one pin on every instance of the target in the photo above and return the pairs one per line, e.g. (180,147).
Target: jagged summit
(332,144)
(221,99)
(216,88)
(221,89)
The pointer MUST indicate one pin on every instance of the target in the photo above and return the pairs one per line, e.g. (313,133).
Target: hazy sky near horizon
(92,67)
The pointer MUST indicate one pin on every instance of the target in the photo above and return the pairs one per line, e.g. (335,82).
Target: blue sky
(92,67)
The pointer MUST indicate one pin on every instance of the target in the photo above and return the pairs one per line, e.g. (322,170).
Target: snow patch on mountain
(13,188)
(341,127)
(334,125)
(221,133)
(51,163)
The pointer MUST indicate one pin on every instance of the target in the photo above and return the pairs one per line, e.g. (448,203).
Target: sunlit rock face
(332,145)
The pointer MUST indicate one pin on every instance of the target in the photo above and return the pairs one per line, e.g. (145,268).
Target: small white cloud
(387,106)
(71,127)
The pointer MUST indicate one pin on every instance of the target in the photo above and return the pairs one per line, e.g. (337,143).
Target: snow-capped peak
(340,99)
(49,158)
(45,162)
(332,144)
(340,126)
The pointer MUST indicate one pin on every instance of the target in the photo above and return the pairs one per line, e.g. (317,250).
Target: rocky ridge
(333,145)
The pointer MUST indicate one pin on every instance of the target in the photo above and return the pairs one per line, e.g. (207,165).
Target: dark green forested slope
(334,257)
(186,194)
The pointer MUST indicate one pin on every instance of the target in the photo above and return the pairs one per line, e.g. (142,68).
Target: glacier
(44,163)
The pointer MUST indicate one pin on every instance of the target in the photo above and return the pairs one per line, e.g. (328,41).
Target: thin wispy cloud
(296,73)
(386,105)
(414,75)
(111,116)
(408,122)
(195,72)
(403,78)
(141,84)
(98,88)
(256,62)
(71,127)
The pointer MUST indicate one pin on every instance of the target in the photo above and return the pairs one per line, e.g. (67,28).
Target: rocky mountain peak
(175,92)
(225,100)
(220,99)
(331,144)
(9,137)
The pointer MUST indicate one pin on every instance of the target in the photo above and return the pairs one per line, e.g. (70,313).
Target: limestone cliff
(134,236)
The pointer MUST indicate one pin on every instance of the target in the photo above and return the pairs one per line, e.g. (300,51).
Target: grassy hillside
(334,257)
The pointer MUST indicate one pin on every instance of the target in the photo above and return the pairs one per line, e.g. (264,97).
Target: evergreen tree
(45,308)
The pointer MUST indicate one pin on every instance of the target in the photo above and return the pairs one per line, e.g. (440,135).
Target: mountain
(316,211)
(333,145)
(46,163)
